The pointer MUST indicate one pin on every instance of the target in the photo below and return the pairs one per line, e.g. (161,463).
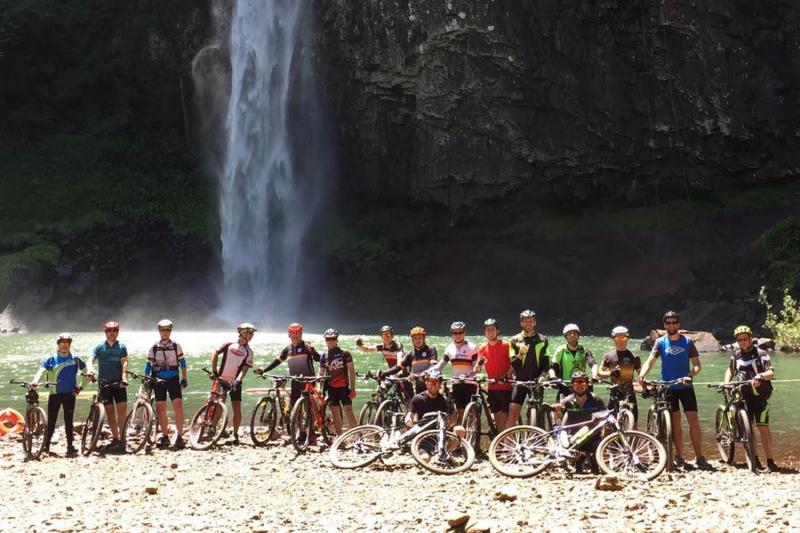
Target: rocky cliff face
(452,101)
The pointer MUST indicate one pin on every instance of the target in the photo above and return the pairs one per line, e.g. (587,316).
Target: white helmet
(64,337)
(165,324)
(620,330)
(245,326)
(571,327)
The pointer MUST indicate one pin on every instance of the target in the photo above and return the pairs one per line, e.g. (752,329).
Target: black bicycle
(96,418)
(140,424)
(34,435)
(271,413)
(393,401)
(475,412)
(732,424)
(537,412)
(623,397)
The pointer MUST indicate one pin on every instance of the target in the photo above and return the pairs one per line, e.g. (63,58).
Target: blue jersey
(675,357)
(63,371)
(109,360)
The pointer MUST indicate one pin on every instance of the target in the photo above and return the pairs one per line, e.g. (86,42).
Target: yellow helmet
(417,330)
(742,329)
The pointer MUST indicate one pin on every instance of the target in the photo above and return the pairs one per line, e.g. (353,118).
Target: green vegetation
(785,324)
(779,249)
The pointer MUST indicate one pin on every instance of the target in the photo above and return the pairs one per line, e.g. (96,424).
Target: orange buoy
(11,421)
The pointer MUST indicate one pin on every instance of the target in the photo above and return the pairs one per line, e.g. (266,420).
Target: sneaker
(759,466)
(772,467)
(71,451)
(235,441)
(179,443)
(115,446)
(679,461)
(701,463)
(163,442)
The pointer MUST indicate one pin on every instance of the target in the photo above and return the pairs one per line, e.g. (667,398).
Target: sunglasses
(164,329)
(458,333)
(671,322)
(113,329)
(580,382)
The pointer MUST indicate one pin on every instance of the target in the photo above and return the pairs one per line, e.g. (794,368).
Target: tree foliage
(784,324)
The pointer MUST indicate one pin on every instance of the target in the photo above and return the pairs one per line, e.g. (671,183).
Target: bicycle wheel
(665,435)
(520,451)
(301,422)
(263,420)
(651,427)
(746,437)
(383,417)
(138,425)
(625,419)
(472,423)
(632,455)
(91,430)
(724,435)
(453,456)
(357,447)
(328,428)
(207,425)
(34,436)
(367,413)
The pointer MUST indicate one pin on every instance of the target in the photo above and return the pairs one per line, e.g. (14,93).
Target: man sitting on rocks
(430,401)
(579,407)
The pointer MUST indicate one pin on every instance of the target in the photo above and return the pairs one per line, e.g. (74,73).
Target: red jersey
(498,362)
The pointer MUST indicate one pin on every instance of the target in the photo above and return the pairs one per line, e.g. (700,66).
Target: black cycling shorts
(518,394)
(462,394)
(499,400)
(758,407)
(686,397)
(338,395)
(114,394)
(171,386)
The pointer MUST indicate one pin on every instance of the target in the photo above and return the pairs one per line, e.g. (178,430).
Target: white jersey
(234,357)
(462,358)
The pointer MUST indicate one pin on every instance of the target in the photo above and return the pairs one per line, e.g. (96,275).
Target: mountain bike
(35,437)
(310,415)
(394,400)
(476,410)
(525,451)
(381,393)
(140,424)
(537,412)
(659,414)
(431,445)
(210,420)
(271,413)
(93,425)
(623,396)
(732,424)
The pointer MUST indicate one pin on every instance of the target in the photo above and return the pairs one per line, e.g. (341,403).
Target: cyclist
(112,361)
(164,359)
(237,358)
(430,401)
(570,357)
(679,359)
(420,359)
(62,369)
(341,388)
(494,355)
(618,365)
(300,356)
(751,363)
(391,350)
(579,407)
(462,355)
(531,359)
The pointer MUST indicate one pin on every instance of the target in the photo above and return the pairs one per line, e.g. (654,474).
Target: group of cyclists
(526,356)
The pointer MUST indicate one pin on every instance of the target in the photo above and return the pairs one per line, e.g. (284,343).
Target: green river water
(21,354)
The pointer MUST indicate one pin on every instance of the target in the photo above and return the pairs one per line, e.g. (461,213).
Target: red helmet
(295,327)
(111,324)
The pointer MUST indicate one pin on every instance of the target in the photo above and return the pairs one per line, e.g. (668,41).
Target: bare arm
(696,367)
(646,368)
(38,375)
(603,372)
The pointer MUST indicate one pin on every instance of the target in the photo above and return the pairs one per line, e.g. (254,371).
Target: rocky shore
(272,489)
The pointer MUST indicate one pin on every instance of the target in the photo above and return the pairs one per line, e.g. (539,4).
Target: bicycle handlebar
(146,379)
(730,384)
(28,385)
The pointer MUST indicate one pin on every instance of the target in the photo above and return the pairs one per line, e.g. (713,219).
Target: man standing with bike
(419,360)
(62,369)
(619,365)
(462,355)
(112,361)
(300,356)
(237,358)
(751,363)
(495,356)
(163,361)
(531,359)
(341,387)
(679,359)
(569,358)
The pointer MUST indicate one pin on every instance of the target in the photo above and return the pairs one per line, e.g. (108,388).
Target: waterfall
(271,167)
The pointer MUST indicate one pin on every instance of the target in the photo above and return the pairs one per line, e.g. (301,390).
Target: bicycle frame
(733,402)
(561,452)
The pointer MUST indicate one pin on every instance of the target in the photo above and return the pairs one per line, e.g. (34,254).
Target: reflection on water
(20,355)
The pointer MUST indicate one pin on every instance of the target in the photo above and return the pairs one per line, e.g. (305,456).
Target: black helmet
(387,328)
(491,322)
(331,333)
(670,314)
(527,314)
(457,326)
(579,375)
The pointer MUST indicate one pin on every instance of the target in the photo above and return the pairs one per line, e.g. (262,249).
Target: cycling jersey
(676,358)
(392,352)
(593,403)
(335,363)
(462,358)
(626,362)
(164,358)
(497,362)
(63,371)
(109,360)
(745,366)
(423,403)
(300,359)
(565,361)
(531,355)
(235,357)
(420,360)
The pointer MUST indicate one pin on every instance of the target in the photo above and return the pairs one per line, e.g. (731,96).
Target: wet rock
(456,519)
(151,490)
(704,341)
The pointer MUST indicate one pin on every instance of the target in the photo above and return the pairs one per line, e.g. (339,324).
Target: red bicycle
(310,415)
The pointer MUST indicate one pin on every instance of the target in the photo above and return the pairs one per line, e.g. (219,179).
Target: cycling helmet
(457,326)
(64,337)
(295,327)
(491,322)
(387,329)
(670,314)
(165,324)
(742,330)
(331,333)
(527,314)
(417,330)
(620,330)
(570,327)
(245,326)
(111,324)
(579,375)
(433,374)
